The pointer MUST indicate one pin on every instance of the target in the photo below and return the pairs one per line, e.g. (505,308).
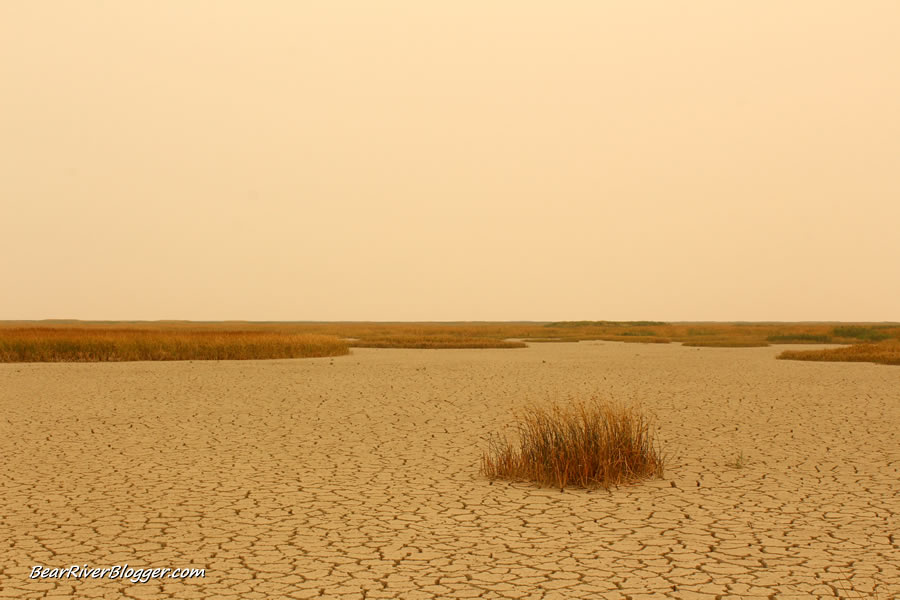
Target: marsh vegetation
(178,340)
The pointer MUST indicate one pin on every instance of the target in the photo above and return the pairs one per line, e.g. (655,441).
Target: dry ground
(357,477)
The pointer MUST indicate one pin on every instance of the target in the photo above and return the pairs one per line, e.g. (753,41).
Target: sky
(468,160)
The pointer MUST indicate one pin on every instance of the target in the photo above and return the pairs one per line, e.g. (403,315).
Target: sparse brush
(739,462)
(588,444)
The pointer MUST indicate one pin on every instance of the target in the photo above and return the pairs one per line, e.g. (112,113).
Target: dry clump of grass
(887,353)
(101,345)
(587,444)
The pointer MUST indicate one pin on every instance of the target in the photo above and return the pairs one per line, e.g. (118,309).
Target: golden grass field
(186,340)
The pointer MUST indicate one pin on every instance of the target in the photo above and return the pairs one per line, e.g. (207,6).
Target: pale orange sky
(282,160)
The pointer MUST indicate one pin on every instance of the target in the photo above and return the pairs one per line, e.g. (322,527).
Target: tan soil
(357,477)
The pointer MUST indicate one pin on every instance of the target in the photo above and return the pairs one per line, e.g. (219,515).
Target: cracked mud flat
(358,479)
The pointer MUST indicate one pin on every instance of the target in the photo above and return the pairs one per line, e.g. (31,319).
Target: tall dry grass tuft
(101,345)
(588,445)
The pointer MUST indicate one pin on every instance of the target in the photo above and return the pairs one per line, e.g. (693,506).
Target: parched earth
(357,477)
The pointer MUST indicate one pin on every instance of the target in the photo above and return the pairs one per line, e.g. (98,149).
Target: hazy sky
(334,160)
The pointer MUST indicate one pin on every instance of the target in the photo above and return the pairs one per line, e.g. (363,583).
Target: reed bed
(102,345)
(887,353)
(587,445)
